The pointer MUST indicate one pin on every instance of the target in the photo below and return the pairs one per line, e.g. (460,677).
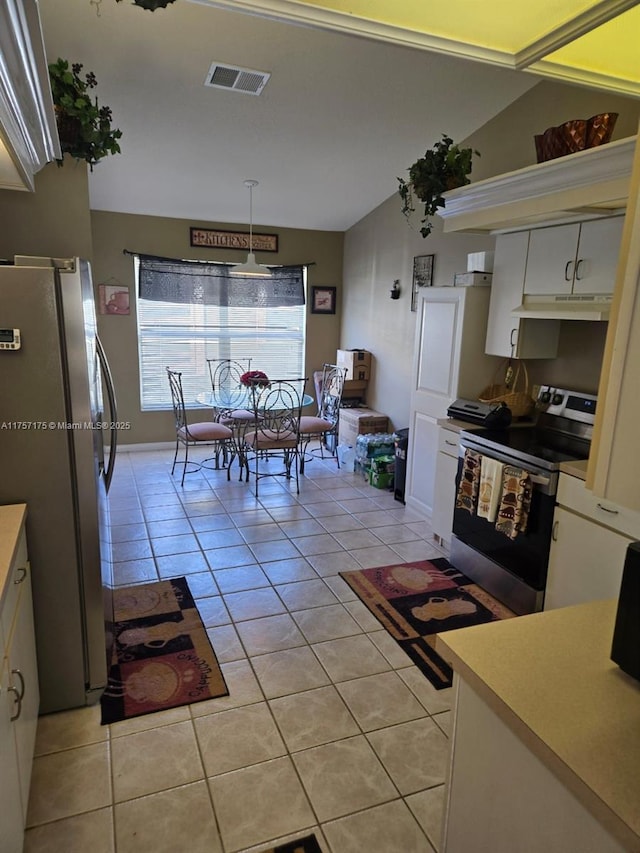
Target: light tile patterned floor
(328,726)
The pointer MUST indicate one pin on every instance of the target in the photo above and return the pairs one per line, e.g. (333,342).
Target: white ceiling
(339,119)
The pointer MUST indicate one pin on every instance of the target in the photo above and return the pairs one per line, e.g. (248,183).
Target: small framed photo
(323,300)
(113,299)
(422,276)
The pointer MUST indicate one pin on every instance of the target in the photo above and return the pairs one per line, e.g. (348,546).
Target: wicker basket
(519,401)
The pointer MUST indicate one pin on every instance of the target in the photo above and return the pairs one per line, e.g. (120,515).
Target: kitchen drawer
(448,440)
(15,577)
(573,494)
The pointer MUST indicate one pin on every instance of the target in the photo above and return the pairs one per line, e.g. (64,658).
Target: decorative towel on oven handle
(467,497)
(490,490)
(515,502)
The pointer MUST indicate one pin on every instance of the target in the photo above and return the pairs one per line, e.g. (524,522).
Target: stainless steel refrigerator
(52,457)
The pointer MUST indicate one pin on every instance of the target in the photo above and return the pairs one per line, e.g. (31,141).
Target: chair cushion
(270,440)
(206,431)
(312,424)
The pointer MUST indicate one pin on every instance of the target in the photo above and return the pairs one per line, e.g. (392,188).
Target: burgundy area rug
(415,601)
(162,656)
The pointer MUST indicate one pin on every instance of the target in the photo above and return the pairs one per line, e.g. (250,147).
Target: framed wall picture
(113,299)
(422,276)
(323,300)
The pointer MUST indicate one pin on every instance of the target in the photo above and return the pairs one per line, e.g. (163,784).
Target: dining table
(227,400)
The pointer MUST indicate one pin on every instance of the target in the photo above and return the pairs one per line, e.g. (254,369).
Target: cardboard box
(357,363)
(355,422)
(354,388)
(472,279)
(480,262)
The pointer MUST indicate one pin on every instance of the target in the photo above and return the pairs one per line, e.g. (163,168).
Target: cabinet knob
(21,677)
(567,277)
(554,531)
(578,266)
(21,575)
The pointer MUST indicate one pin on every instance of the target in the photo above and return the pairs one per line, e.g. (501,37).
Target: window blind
(183,334)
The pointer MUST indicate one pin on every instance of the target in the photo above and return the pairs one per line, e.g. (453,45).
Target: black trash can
(401,448)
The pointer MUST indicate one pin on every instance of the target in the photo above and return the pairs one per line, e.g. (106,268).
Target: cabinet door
(11,824)
(509,336)
(552,259)
(597,258)
(423,451)
(445,495)
(585,563)
(23,675)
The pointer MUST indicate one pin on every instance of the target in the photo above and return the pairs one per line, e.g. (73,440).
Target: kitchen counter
(455,425)
(11,520)
(575,469)
(549,678)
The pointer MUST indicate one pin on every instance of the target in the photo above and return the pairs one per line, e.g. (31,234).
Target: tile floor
(328,727)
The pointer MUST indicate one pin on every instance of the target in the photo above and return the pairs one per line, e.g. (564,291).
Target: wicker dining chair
(194,434)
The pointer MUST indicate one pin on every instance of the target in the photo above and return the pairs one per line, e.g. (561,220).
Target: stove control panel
(575,405)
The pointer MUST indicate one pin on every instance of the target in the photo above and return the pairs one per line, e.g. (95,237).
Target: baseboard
(135,448)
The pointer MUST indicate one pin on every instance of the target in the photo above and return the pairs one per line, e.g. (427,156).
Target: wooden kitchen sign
(215,239)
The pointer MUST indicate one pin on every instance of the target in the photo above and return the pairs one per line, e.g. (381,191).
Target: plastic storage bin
(401,448)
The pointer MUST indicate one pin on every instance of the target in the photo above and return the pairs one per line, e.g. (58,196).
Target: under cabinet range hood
(565,307)
(28,133)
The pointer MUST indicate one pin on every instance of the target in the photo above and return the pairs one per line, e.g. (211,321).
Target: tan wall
(52,222)
(114,232)
(381,247)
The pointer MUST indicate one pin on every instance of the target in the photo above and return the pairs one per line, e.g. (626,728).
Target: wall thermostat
(10,339)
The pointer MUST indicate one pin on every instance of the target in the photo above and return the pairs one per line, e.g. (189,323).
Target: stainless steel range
(515,570)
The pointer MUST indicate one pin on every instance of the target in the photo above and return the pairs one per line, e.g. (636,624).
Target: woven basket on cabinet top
(519,401)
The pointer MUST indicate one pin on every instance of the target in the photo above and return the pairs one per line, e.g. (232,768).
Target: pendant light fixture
(250,268)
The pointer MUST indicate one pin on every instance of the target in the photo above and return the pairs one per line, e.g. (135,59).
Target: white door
(436,364)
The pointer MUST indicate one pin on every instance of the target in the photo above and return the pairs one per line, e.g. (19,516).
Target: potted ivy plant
(443,167)
(84,127)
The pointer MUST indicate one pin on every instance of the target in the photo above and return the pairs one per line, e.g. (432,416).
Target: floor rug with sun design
(162,657)
(416,601)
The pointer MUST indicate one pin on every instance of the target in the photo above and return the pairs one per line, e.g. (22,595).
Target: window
(183,334)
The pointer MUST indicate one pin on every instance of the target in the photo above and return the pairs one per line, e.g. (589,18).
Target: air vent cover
(245,80)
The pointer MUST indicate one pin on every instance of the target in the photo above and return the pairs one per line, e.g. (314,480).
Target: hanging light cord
(251,184)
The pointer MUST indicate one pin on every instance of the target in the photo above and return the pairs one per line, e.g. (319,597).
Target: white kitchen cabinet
(12,823)
(509,336)
(445,485)
(501,797)
(449,362)
(578,258)
(614,463)
(588,548)
(19,694)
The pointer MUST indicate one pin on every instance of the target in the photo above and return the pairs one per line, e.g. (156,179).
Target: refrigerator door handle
(113,409)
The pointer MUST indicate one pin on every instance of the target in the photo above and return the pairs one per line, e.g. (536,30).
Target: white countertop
(549,677)
(12,518)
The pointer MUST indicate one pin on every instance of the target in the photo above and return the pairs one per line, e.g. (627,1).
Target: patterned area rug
(162,656)
(308,844)
(415,601)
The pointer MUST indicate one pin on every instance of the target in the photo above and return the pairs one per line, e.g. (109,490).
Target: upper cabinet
(509,336)
(28,133)
(579,258)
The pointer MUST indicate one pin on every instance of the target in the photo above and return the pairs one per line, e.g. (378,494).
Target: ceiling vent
(236,79)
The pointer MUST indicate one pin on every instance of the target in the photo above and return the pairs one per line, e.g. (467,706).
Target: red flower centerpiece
(255,378)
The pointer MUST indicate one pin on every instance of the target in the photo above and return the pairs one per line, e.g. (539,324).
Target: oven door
(514,570)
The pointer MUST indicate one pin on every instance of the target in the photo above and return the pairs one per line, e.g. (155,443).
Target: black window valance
(205,283)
